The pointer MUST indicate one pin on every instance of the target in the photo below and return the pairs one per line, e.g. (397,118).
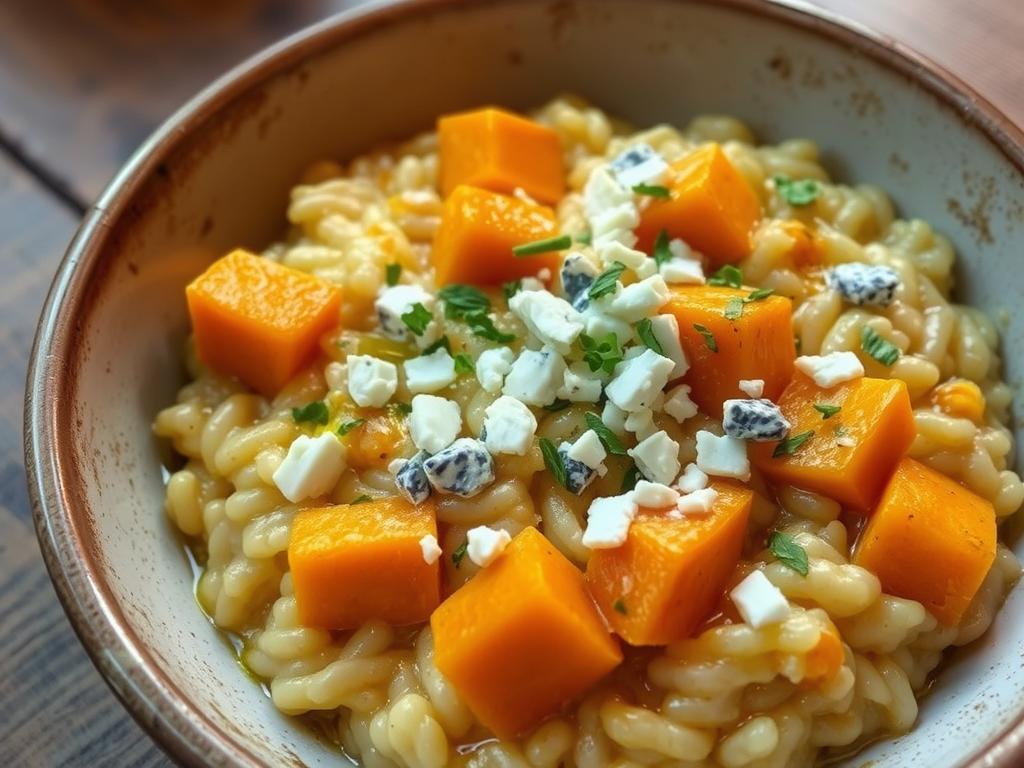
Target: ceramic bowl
(217,176)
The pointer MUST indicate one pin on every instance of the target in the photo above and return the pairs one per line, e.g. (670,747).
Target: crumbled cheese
(484,544)
(692,479)
(637,301)
(614,418)
(666,330)
(395,301)
(371,381)
(410,478)
(722,456)
(829,370)
(759,420)
(864,284)
(464,468)
(535,377)
(430,549)
(699,502)
(531,284)
(639,164)
(577,474)
(683,268)
(429,373)
(577,275)
(657,458)
(551,319)
(678,404)
(752,387)
(588,450)
(648,269)
(492,366)
(599,324)
(610,209)
(509,426)
(639,381)
(430,335)
(654,495)
(311,467)
(608,521)
(336,376)
(759,602)
(580,385)
(641,423)
(434,422)
(616,252)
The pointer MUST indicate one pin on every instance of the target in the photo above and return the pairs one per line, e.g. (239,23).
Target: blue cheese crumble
(411,479)
(759,420)
(864,284)
(464,468)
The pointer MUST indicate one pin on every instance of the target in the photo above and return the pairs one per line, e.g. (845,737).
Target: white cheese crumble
(371,381)
(531,284)
(429,373)
(722,456)
(692,479)
(535,377)
(484,544)
(759,602)
(616,251)
(683,268)
(654,495)
(614,418)
(492,366)
(752,387)
(666,330)
(832,369)
(639,381)
(579,385)
(610,209)
(588,450)
(657,458)
(641,423)
(608,521)
(395,301)
(311,467)
(638,164)
(551,319)
(599,324)
(699,502)
(678,404)
(336,376)
(434,422)
(639,300)
(509,426)
(431,551)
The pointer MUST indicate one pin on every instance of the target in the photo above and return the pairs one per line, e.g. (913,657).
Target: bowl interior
(220,179)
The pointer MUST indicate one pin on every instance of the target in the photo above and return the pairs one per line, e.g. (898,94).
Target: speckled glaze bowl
(217,175)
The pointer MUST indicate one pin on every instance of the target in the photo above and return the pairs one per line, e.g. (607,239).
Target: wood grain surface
(82,83)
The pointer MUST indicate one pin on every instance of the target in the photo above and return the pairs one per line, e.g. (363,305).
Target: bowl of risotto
(550,384)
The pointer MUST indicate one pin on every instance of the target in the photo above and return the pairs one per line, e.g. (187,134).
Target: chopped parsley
(608,438)
(709,337)
(548,245)
(661,252)
(405,408)
(630,479)
(484,327)
(459,553)
(417,319)
(511,288)
(879,348)
(558,405)
(360,499)
(553,461)
(605,282)
(348,426)
(620,606)
(601,355)
(584,238)
(758,295)
(733,308)
(442,343)
(790,445)
(727,275)
(786,550)
(797,192)
(315,412)
(392,273)
(464,363)
(651,190)
(460,300)
(827,411)
(645,330)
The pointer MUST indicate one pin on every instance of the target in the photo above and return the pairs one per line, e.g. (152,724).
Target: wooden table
(82,82)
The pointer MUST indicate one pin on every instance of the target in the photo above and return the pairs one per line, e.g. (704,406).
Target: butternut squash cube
(478,231)
(499,151)
(257,320)
(523,637)
(667,578)
(355,562)
(853,452)
(756,345)
(710,206)
(929,539)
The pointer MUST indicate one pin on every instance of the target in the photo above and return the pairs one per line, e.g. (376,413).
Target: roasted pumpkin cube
(355,562)
(523,637)
(758,344)
(478,231)
(929,539)
(257,320)
(710,206)
(667,578)
(500,151)
(851,453)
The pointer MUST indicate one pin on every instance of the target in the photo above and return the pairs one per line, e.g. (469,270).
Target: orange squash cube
(710,206)
(499,151)
(667,578)
(756,345)
(852,453)
(523,637)
(929,539)
(257,320)
(355,562)
(478,231)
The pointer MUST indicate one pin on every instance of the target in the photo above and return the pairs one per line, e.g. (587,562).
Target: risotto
(550,441)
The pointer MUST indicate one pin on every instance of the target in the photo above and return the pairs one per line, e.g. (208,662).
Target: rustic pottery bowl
(217,175)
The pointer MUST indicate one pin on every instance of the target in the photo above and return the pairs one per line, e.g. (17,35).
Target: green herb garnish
(360,499)
(733,308)
(651,190)
(461,299)
(827,411)
(464,363)
(558,405)
(405,408)
(459,553)
(727,275)
(511,288)
(315,412)
(630,479)
(758,295)
(603,355)
(709,337)
(584,238)
(547,245)
(786,550)
(883,351)
(605,282)
(553,461)
(620,606)
(348,426)
(392,273)
(417,319)
(799,192)
(790,445)
(484,327)
(442,343)
(645,330)
(661,252)
(608,439)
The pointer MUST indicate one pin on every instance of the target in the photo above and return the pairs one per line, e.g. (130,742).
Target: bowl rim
(159,705)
